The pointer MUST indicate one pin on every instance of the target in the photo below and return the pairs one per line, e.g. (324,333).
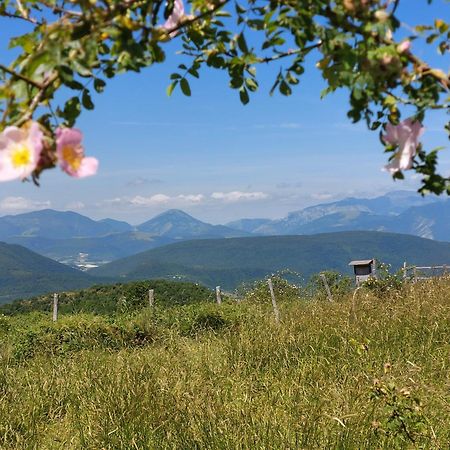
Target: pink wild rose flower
(404,47)
(20,150)
(406,135)
(175,18)
(71,153)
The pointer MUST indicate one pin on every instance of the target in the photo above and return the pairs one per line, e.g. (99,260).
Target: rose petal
(87,168)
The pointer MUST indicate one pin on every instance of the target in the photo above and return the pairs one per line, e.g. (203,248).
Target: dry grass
(317,380)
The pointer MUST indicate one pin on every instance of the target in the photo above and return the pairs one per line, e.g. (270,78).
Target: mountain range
(397,212)
(81,242)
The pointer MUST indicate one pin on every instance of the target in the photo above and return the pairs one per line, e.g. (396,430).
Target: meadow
(208,376)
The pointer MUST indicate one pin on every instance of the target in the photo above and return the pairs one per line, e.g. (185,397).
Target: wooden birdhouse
(364,269)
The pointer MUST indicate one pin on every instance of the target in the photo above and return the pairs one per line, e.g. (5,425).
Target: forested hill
(25,273)
(229,262)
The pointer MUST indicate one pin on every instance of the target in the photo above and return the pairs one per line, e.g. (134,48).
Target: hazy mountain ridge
(79,241)
(53,224)
(397,212)
(177,224)
(64,235)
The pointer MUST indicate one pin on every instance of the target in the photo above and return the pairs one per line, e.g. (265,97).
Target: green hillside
(229,262)
(25,273)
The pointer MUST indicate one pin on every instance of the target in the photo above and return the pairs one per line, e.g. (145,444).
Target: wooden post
(218,295)
(415,274)
(55,307)
(151,297)
(405,270)
(325,283)
(274,302)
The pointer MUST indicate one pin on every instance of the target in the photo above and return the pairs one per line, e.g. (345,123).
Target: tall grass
(228,376)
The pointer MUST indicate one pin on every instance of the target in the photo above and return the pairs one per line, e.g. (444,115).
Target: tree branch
(202,15)
(423,68)
(36,100)
(290,53)
(394,9)
(20,76)
(18,16)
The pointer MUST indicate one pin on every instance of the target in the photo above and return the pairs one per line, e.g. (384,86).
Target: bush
(116,298)
(284,290)
(340,285)
(385,282)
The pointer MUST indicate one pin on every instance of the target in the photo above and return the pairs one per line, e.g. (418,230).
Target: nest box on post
(364,269)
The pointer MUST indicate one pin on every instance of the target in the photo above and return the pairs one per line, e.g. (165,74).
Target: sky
(213,157)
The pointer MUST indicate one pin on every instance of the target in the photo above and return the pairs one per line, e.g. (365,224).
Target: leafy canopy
(76,46)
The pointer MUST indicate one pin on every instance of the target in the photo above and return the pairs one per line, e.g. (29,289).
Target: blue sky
(215,158)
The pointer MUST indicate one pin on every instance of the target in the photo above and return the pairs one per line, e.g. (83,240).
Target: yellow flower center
(72,157)
(21,156)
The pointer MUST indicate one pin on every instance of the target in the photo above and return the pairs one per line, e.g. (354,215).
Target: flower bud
(404,46)
(381,15)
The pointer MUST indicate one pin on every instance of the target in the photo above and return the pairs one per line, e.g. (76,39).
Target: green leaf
(81,30)
(251,84)
(194,72)
(285,89)
(86,100)
(99,85)
(171,87)
(185,88)
(242,43)
(72,110)
(243,95)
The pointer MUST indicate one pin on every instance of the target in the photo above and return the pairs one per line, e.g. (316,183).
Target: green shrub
(385,282)
(340,285)
(116,298)
(283,290)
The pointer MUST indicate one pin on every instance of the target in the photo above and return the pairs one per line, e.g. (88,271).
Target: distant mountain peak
(174,213)
(178,224)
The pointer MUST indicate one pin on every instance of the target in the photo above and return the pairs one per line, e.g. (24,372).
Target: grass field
(228,377)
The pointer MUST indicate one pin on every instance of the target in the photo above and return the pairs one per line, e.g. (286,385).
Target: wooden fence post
(55,307)
(405,270)
(218,295)
(151,297)
(274,302)
(325,282)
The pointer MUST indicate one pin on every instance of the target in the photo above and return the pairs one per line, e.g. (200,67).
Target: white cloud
(22,204)
(157,199)
(75,206)
(191,198)
(237,196)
